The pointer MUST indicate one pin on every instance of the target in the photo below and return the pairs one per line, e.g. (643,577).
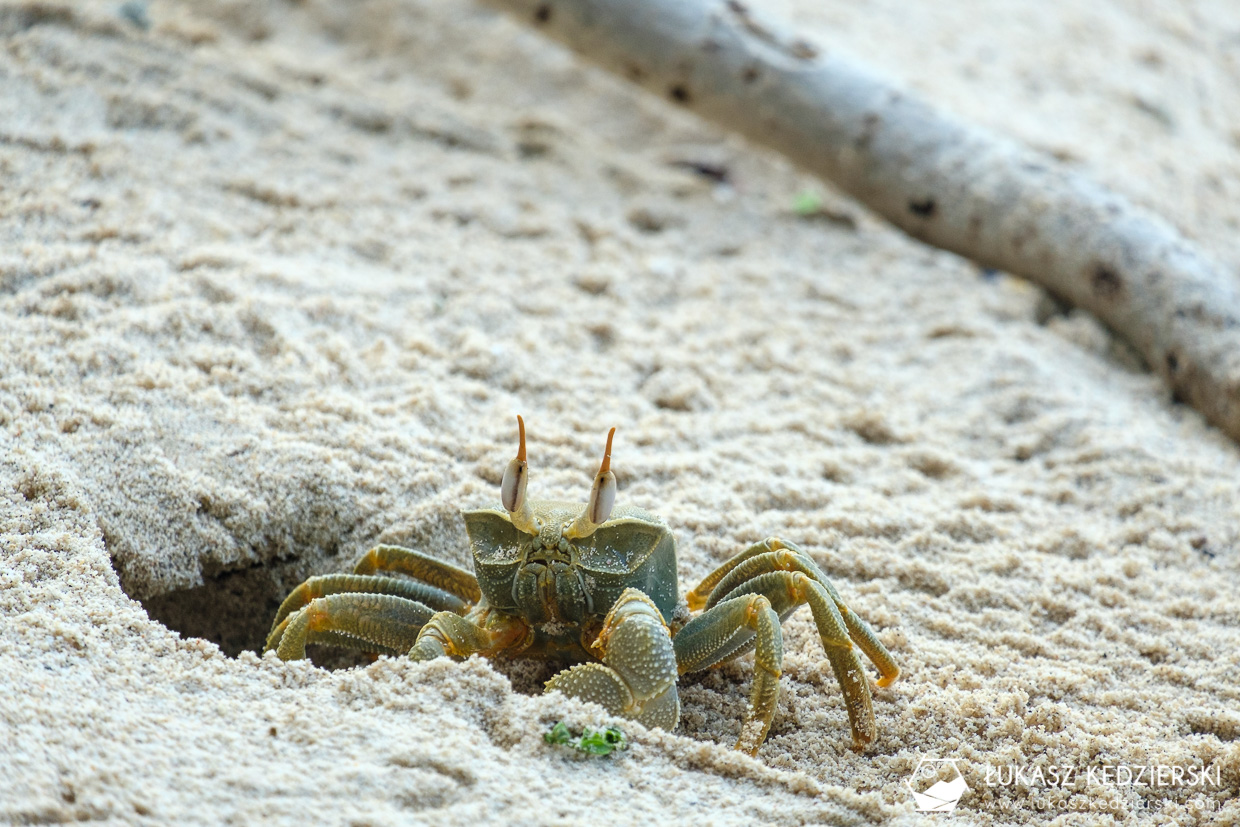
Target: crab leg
(439,574)
(791,559)
(698,597)
(787,590)
(730,628)
(383,621)
(637,678)
(326,584)
(774,554)
(448,634)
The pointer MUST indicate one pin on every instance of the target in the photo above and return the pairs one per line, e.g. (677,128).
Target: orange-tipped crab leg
(787,590)
(787,557)
(374,622)
(698,597)
(329,584)
(713,637)
(441,575)
(785,577)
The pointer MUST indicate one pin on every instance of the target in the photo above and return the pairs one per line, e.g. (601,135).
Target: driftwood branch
(940,180)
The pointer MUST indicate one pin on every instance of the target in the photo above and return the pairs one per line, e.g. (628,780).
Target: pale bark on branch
(940,180)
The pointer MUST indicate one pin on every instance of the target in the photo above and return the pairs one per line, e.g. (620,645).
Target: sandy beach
(276,278)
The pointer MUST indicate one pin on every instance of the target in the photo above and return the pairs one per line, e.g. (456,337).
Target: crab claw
(637,678)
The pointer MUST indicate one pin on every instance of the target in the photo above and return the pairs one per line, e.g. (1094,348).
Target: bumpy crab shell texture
(633,549)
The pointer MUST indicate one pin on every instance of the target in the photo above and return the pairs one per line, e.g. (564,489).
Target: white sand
(275,278)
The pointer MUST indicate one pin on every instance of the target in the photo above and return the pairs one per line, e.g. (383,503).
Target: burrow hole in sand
(235,609)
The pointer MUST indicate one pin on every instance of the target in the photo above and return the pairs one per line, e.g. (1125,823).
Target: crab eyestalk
(602,498)
(512,488)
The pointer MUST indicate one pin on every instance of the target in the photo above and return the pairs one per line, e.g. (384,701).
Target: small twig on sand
(940,180)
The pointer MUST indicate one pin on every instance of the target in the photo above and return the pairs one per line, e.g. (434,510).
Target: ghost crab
(594,586)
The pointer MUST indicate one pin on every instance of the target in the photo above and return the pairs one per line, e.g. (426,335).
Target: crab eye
(602,497)
(603,494)
(512,488)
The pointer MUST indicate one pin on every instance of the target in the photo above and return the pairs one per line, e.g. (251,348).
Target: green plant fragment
(558,734)
(591,742)
(807,203)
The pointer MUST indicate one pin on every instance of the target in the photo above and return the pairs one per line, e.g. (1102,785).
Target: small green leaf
(807,203)
(558,734)
(591,742)
(602,741)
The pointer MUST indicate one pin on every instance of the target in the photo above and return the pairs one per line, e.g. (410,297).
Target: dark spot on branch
(1173,362)
(802,50)
(1106,282)
(542,14)
(869,128)
(679,93)
(1204,315)
(715,172)
(1021,238)
(925,208)
(751,73)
